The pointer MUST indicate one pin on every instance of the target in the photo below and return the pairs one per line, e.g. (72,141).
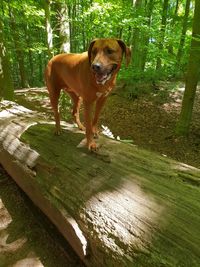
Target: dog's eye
(109,51)
(94,52)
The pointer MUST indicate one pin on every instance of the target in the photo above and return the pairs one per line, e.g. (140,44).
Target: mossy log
(122,206)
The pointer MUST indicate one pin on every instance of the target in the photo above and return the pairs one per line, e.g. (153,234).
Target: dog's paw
(57,132)
(92,146)
(81,127)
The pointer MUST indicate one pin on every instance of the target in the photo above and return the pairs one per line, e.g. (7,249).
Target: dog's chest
(103,94)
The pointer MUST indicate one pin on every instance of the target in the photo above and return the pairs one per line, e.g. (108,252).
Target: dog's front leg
(99,105)
(88,125)
(77,100)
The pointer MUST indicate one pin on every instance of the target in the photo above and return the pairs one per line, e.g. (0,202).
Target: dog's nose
(97,67)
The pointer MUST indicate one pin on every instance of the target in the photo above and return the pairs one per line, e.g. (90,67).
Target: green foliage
(65,106)
(138,24)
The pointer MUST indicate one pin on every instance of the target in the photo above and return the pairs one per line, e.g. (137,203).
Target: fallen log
(123,206)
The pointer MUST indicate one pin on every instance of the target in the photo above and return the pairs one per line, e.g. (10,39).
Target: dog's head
(105,57)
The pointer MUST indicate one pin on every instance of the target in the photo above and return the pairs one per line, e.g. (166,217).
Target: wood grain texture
(123,206)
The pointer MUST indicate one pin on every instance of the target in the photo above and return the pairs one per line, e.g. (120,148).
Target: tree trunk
(49,32)
(149,8)
(74,26)
(182,39)
(19,50)
(72,13)
(136,43)
(30,55)
(70,27)
(6,84)
(162,34)
(64,28)
(192,76)
(173,26)
(40,67)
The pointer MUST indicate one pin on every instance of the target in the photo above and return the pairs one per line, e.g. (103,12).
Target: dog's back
(61,69)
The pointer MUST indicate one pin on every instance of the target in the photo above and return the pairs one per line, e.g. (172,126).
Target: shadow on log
(123,206)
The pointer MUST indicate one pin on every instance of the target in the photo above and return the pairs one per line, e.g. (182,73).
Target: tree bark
(183,33)
(74,25)
(64,28)
(30,55)
(162,34)
(49,31)
(72,11)
(173,26)
(6,84)
(192,76)
(149,9)
(18,49)
(137,39)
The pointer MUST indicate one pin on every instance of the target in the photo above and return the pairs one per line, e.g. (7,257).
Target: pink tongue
(100,77)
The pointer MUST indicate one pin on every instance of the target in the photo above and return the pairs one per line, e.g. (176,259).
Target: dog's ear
(90,50)
(126,50)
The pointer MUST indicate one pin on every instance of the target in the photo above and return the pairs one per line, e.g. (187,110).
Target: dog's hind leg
(54,94)
(77,101)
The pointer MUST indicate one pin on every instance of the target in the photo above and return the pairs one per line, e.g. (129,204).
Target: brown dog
(87,77)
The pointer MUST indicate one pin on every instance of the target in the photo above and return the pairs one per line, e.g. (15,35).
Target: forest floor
(144,114)
(27,238)
(149,119)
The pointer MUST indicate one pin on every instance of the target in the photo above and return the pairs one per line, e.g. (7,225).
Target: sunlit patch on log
(132,217)
(9,133)
(29,261)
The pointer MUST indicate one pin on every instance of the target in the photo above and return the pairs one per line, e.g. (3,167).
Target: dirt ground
(149,120)
(27,238)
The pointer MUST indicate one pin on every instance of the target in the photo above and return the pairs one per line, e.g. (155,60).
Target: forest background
(159,32)
(152,106)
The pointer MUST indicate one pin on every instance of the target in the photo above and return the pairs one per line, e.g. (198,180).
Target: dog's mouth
(103,76)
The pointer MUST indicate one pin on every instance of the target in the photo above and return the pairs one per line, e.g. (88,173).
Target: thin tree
(173,26)
(136,43)
(149,10)
(30,54)
(6,84)
(192,77)
(162,34)
(18,47)
(64,28)
(49,31)
(184,29)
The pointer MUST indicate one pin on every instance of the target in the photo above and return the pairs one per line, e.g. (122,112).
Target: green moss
(70,176)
